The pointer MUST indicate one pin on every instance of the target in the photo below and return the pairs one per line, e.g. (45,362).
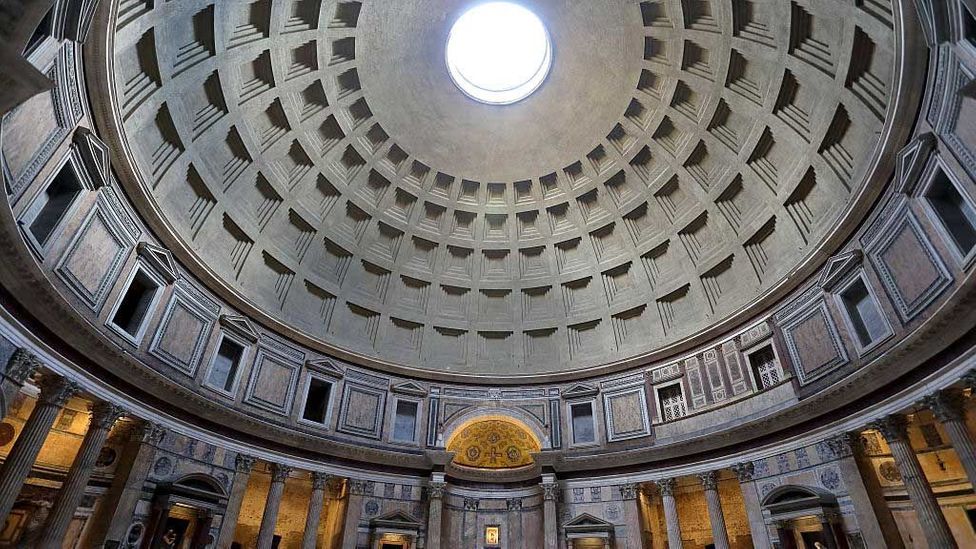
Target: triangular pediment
(409,388)
(911,161)
(839,267)
(397,520)
(239,326)
(325,366)
(580,390)
(95,155)
(588,523)
(159,259)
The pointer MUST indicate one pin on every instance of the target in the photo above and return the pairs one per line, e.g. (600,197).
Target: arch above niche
(493,442)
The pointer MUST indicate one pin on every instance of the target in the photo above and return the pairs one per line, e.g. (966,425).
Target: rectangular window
(134,306)
(405,421)
(582,417)
(317,400)
(42,31)
(765,370)
(956,214)
(51,206)
(225,364)
(863,311)
(672,402)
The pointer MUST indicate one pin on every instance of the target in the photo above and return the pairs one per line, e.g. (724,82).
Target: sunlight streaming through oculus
(498,53)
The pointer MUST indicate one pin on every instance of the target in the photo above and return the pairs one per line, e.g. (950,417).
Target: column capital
(628,491)
(21,365)
(947,404)
(892,428)
(471,504)
(148,432)
(513,504)
(743,470)
(358,487)
(56,390)
(843,444)
(708,480)
(280,472)
(104,414)
(435,489)
(969,378)
(244,463)
(320,480)
(550,491)
(666,486)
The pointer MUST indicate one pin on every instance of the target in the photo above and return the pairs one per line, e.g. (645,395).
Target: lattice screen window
(764,368)
(672,402)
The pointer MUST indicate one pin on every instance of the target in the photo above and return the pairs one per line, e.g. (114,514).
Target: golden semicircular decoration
(493,444)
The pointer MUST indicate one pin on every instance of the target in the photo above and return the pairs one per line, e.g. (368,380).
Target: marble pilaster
(750,496)
(243,465)
(550,518)
(354,512)
(435,495)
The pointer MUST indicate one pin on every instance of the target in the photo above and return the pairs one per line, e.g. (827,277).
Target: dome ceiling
(313,160)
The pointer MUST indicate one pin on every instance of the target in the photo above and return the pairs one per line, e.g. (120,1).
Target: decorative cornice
(160,259)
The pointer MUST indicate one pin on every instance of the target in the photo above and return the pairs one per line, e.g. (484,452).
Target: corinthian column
(55,392)
(550,492)
(228,525)
(314,515)
(103,417)
(21,365)
(435,495)
(666,486)
(894,429)
(270,518)
(750,496)
(948,409)
(715,516)
(354,511)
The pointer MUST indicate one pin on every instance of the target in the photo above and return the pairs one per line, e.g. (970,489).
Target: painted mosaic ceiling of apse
(493,444)
(312,158)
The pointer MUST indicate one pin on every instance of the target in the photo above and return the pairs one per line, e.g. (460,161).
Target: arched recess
(527,421)
(493,442)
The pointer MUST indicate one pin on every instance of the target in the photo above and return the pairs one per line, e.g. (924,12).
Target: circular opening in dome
(498,53)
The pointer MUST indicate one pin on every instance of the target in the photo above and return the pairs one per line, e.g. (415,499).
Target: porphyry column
(55,392)
(894,429)
(948,409)
(103,417)
(666,486)
(435,495)
(550,492)
(270,517)
(715,516)
(314,515)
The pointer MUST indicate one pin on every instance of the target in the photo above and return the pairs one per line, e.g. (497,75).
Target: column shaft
(934,525)
(550,492)
(949,408)
(435,493)
(750,497)
(270,517)
(670,512)
(715,516)
(103,416)
(314,515)
(55,392)
(228,524)
(354,511)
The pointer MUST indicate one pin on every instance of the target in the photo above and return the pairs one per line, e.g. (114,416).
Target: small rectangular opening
(225,364)
(53,203)
(672,402)
(405,421)
(134,306)
(764,368)
(955,213)
(582,415)
(317,400)
(863,311)
(42,31)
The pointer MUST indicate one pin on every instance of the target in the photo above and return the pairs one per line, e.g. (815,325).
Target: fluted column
(55,392)
(354,511)
(666,487)
(21,365)
(103,417)
(228,525)
(750,497)
(279,473)
(948,409)
(894,428)
(550,493)
(314,515)
(715,516)
(631,516)
(435,495)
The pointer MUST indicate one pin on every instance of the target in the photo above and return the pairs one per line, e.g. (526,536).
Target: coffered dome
(681,166)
